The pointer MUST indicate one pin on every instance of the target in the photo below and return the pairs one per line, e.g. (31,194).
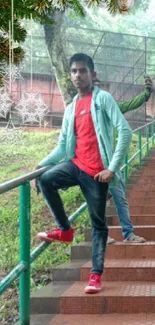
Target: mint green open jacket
(106,115)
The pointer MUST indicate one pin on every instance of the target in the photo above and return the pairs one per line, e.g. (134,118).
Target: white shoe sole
(90,289)
(48,240)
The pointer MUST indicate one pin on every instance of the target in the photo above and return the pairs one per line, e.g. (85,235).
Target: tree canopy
(40,10)
(45,12)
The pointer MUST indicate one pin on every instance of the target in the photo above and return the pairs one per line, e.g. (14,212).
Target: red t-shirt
(87,155)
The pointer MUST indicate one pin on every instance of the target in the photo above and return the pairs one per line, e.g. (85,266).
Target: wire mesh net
(121,61)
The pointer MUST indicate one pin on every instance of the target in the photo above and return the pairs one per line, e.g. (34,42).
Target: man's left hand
(104,176)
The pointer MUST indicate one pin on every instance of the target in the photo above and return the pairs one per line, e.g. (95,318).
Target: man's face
(81,76)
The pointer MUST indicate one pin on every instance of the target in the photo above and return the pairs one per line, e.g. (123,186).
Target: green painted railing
(22,270)
(145,132)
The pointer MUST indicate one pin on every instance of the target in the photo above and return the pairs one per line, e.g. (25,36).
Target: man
(118,192)
(84,156)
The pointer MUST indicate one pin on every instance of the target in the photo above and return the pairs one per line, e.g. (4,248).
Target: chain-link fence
(121,61)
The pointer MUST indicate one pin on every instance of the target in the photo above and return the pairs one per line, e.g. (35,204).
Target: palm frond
(4,52)
(112,6)
(95,3)
(77,7)
(19,31)
(18,55)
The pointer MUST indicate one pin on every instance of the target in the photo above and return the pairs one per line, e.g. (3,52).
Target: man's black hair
(84,58)
(96,80)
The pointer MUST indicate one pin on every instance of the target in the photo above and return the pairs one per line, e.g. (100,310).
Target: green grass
(18,160)
(15,161)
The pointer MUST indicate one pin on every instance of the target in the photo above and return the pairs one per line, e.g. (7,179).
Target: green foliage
(113,7)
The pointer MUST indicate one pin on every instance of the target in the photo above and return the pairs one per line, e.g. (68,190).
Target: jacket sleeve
(124,132)
(134,103)
(59,153)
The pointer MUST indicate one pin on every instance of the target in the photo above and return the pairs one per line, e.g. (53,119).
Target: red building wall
(46,87)
(49,90)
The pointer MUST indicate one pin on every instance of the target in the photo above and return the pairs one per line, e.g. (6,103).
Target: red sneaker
(94,284)
(57,235)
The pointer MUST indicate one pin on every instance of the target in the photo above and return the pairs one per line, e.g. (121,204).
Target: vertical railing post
(140,146)
(152,133)
(24,298)
(126,169)
(147,139)
(145,62)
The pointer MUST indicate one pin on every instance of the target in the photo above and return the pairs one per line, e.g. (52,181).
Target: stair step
(144,172)
(114,319)
(148,232)
(40,319)
(118,249)
(145,201)
(115,297)
(47,299)
(68,271)
(143,187)
(146,180)
(138,202)
(141,194)
(145,209)
(142,179)
(123,270)
(148,172)
(137,219)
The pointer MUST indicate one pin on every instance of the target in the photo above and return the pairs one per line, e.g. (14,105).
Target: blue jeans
(122,207)
(66,175)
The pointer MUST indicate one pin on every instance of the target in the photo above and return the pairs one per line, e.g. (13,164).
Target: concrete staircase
(128,295)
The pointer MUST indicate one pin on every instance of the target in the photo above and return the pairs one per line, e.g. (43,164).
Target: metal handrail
(142,127)
(138,153)
(9,185)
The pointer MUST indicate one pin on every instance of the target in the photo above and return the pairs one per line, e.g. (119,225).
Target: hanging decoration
(125,5)
(11,74)
(10,71)
(5,102)
(2,68)
(3,34)
(31,106)
(11,135)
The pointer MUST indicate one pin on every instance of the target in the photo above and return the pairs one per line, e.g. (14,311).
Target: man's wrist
(149,90)
(112,173)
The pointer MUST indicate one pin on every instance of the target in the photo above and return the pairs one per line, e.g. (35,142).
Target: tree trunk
(54,41)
